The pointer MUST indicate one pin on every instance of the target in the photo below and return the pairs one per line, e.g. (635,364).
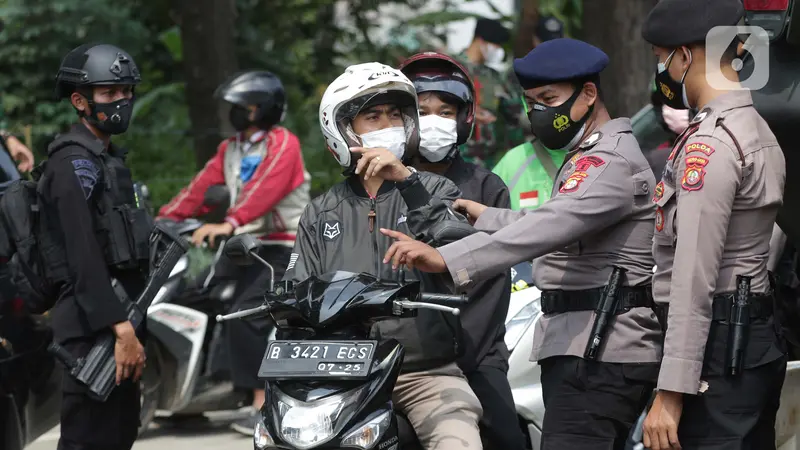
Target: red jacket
(270,203)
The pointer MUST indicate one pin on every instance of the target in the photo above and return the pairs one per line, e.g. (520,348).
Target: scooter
(186,375)
(524,375)
(328,385)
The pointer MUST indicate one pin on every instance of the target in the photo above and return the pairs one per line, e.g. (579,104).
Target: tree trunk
(529,15)
(209,57)
(615,27)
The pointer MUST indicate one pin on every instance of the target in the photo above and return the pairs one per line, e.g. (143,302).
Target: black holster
(738,326)
(605,311)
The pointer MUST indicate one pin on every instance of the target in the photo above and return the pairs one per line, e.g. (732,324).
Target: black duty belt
(760,307)
(558,301)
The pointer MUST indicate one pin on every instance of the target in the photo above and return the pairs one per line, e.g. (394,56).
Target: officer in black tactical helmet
(88,198)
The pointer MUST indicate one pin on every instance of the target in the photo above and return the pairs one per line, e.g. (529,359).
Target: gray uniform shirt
(600,215)
(716,209)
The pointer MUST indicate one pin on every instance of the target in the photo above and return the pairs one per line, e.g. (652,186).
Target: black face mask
(553,125)
(673,92)
(111,118)
(240,118)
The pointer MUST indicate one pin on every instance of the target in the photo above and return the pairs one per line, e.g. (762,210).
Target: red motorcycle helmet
(437,72)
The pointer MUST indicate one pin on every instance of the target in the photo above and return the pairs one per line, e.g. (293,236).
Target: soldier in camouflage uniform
(500,115)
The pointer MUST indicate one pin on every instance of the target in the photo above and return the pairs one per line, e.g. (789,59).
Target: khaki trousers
(441,407)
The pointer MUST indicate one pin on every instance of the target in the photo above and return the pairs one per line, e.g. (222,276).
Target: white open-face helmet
(365,85)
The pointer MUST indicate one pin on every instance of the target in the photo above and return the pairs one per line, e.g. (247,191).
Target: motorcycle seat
(406,434)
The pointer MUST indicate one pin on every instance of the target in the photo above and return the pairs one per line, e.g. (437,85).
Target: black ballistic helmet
(256,87)
(95,65)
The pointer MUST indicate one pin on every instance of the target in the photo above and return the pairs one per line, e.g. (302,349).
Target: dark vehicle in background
(30,380)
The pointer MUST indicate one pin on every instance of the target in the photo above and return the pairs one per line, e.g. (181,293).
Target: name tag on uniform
(529,199)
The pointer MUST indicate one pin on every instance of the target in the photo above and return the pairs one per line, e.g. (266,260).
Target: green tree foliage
(305,42)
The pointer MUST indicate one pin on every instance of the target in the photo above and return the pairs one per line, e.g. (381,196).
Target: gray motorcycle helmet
(95,65)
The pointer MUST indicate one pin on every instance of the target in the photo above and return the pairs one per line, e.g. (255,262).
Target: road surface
(214,435)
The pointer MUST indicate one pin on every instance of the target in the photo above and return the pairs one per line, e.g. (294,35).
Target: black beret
(673,23)
(492,31)
(559,60)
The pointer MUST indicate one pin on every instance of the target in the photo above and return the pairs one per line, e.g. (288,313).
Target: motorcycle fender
(787,428)
(180,331)
(524,377)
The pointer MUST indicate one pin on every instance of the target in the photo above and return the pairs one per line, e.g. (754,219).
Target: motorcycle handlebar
(243,313)
(450,300)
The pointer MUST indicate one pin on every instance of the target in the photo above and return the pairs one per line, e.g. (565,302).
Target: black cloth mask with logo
(553,125)
(112,117)
(672,92)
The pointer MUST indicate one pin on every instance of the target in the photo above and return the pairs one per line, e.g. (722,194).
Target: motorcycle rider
(262,166)
(717,201)
(447,114)
(600,218)
(84,175)
(370,121)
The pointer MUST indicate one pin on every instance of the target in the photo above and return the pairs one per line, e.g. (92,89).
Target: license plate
(317,359)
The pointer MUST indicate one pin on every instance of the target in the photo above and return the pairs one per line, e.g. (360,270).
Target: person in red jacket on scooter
(262,167)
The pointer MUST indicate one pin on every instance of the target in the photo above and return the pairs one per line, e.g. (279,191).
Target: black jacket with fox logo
(335,234)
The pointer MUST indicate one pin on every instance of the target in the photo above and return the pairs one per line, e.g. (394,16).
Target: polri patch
(87,173)
(694,173)
(659,219)
(582,165)
(659,191)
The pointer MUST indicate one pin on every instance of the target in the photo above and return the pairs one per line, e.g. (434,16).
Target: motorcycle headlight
(261,437)
(519,324)
(367,435)
(306,425)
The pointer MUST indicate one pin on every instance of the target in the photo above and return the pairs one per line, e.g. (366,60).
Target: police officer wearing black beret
(599,217)
(724,365)
(102,235)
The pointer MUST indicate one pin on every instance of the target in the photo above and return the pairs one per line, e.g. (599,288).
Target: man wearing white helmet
(370,121)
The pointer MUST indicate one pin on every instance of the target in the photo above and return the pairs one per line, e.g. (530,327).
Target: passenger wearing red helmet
(447,115)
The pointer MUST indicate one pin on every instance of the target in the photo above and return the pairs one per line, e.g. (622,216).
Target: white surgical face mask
(437,136)
(392,139)
(492,54)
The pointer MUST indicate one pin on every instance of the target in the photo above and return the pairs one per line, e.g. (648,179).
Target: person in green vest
(528,170)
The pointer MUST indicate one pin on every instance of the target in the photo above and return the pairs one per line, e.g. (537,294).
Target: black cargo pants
(736,412)
(591,405)
(88,424)
(247,338)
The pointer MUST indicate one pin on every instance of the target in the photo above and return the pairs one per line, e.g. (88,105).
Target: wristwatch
(410,180)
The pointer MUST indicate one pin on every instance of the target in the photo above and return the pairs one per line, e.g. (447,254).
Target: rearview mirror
(240,249)
(449,231)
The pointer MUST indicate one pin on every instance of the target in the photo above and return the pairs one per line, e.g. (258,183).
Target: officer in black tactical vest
(87,192)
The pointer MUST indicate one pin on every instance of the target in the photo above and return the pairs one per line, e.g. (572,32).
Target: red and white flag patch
(529,199)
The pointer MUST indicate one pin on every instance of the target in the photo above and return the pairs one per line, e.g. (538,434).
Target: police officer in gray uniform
(600,217)
(724,364)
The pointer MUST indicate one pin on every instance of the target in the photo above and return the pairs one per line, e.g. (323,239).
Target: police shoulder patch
(699,147)
(582,165)
(87,173)
(694,173)
(659,191)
